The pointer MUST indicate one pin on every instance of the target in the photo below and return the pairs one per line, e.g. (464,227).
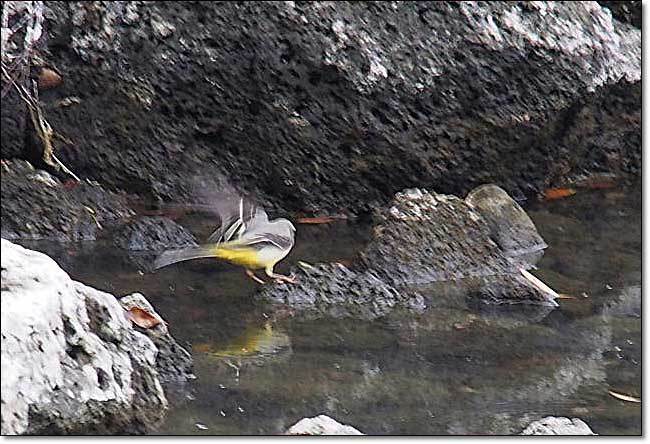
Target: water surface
(450,370)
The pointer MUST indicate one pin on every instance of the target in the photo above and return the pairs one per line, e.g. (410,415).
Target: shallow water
(450,370)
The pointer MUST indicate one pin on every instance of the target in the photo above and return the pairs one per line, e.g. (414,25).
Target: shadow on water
(453,369)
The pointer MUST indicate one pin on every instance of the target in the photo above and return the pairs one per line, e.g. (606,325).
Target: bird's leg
(279,278)
(251,275)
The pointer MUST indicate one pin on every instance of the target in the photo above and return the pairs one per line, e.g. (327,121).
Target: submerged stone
(552,425)
(337,291)
(321,425)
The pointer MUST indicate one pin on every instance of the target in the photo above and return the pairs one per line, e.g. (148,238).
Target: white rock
(321,425)
(70,358)
(552,425)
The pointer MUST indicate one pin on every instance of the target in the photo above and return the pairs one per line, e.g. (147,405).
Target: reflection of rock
(628,303)
(36,205)
(552,425)
(321,425)
(71,361)
(434,375)
(173,362)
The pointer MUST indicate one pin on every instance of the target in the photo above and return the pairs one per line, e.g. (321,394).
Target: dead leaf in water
(48,78)
(624,397)
(598,181)
(142,318)
(558,193)
(601,185)
(319,219)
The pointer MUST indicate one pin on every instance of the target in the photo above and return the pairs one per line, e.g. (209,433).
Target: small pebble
(221,412)
(201,426)
(609,287)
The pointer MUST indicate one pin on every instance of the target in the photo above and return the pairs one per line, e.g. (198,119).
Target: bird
(245,237)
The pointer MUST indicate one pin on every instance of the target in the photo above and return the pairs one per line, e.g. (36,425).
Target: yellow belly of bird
(246,257)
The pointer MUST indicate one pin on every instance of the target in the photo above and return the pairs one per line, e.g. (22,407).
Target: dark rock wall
(625,11)
(338,105)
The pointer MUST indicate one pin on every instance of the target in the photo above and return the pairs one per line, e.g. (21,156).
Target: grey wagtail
(245,237)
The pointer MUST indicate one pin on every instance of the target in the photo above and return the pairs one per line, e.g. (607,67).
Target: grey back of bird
(244,221)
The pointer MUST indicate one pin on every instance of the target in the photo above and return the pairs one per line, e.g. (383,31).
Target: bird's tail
(230,251)
(185,254)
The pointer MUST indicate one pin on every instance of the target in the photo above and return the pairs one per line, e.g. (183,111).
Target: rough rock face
(147,236)
(153,234)
(173,362)
(321,425)
(558,426)
(339,292)
(325,105)
(423,237)
(36,205)
(71,361)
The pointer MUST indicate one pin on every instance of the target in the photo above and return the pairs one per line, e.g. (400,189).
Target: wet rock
(321,425)
(71,361)
(153,234)
(552,425)
(497,95)
(147,236)
(424,237)
(36,205)
(506,289)
(336,291)
(510,226)
(421,238)
(173,362)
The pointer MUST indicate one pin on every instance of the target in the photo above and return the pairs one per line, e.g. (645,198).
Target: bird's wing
(263,239)
(235,214)
(276,232)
